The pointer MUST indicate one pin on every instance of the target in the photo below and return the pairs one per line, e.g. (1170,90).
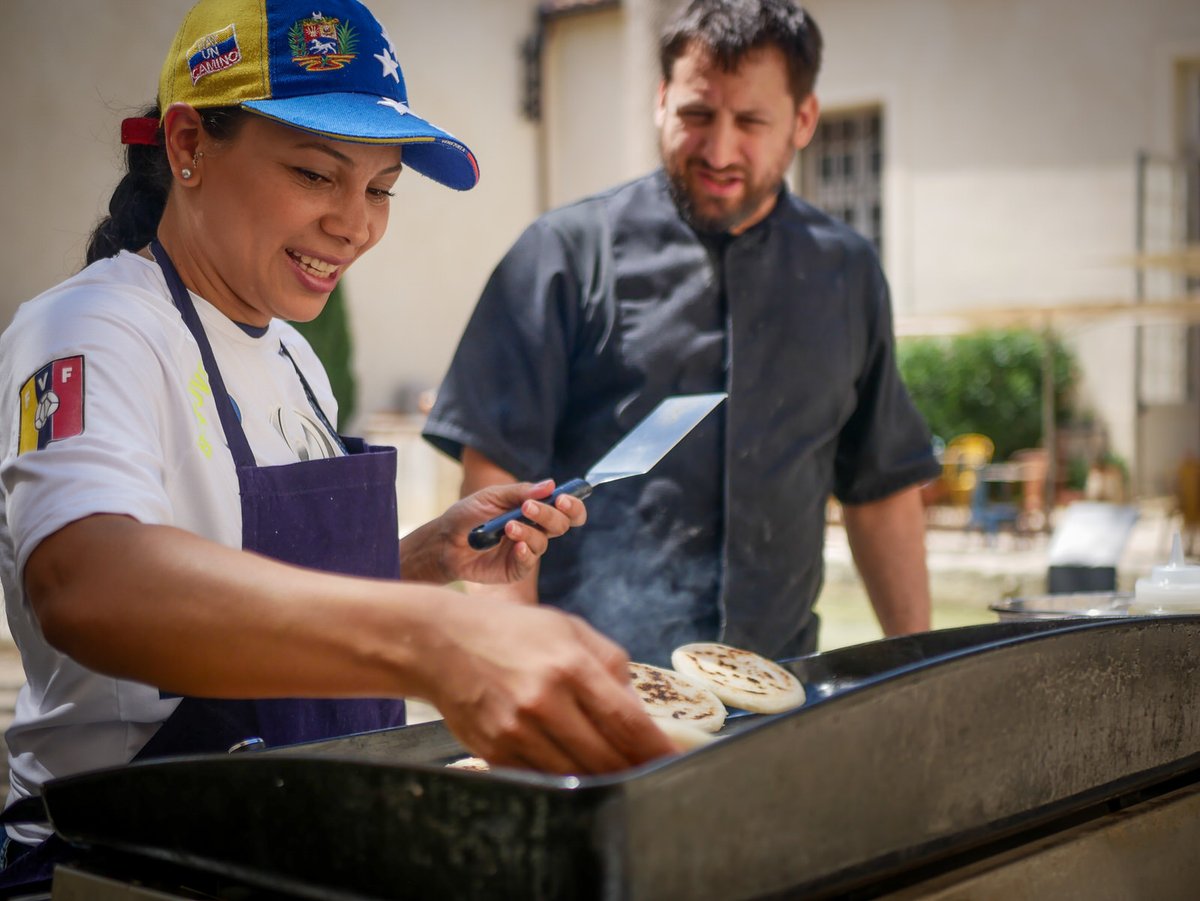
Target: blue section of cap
(334,72)
(350,55)
(370,118)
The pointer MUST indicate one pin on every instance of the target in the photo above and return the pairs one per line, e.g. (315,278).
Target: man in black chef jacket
(706,275)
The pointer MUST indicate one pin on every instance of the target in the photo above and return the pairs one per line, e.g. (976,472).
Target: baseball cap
(323,66)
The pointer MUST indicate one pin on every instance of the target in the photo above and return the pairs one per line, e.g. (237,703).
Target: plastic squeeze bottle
(1173,588)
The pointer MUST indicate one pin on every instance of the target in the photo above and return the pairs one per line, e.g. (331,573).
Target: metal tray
(1062,606)
(908,750)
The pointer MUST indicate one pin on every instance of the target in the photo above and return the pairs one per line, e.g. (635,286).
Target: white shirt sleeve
(115,462)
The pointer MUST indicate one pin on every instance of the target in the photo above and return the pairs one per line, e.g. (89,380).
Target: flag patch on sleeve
(52,404)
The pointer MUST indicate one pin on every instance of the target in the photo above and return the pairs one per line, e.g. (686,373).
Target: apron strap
(234,436)
(312,400)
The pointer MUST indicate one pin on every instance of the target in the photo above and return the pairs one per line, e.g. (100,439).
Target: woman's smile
(273,218)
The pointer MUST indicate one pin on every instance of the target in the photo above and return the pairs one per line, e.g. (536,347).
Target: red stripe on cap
(139,130)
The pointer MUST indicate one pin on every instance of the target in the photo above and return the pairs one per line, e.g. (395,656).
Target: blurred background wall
(1002,153)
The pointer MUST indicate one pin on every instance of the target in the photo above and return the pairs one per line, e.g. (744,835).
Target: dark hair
(137,203)
(730,29)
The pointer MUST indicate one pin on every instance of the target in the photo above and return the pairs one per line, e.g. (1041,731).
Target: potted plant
(1108,478)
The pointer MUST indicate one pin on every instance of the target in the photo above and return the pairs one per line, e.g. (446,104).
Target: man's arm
(480,472)
(887,538)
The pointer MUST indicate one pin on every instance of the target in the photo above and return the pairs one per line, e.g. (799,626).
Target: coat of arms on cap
(319,43)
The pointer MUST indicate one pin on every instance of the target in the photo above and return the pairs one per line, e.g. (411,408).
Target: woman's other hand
(439,551)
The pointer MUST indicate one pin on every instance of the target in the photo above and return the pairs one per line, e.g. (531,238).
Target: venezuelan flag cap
(325,66)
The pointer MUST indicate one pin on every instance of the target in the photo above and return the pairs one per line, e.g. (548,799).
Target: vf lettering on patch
(52,404)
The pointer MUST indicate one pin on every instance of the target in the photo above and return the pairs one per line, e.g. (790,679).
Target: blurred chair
(989,515)
(964,456)
(1188,499)
(1086,547)
(1034,463)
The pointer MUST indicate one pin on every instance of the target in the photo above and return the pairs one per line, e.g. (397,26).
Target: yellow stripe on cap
(220,57)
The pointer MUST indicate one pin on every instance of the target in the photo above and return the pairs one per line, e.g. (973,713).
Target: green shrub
(1077,473)
(988,382)
(329,335)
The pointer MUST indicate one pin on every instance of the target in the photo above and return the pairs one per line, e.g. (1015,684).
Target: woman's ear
(181,133)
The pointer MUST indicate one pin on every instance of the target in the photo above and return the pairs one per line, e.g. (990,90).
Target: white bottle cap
(1173,588)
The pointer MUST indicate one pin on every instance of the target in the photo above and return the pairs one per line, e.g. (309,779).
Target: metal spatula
(635,454)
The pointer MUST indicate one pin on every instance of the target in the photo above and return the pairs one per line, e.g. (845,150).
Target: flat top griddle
(908,750)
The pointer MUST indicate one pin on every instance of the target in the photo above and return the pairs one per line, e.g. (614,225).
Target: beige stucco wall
(83,67)
(586,125)
(1012,129)
(601,77)
(413,293)
(1011,132)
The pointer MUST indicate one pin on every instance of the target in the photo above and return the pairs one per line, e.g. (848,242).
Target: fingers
(559,738)
(552,519)
(537,535)
(609,654)
(619,714)
(527,748)
(566,513)
(548,731)
(574,508)
(551,694)
(613,729)
(580,736)
(532,539)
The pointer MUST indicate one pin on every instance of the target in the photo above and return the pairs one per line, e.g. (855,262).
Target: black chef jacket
(606,306)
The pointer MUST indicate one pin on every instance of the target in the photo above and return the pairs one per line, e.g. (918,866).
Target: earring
(185,174)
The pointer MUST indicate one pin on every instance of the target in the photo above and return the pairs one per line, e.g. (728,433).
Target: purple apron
(336,514)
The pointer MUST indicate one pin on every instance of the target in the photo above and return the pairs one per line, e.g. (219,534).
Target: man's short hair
(730,29)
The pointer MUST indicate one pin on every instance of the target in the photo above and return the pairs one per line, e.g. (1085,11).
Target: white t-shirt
(134,430)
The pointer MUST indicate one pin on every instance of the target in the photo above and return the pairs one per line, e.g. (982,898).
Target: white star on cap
(398,105)
(388,38)
(390,66)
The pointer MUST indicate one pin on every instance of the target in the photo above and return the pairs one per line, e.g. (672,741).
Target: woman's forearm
(159,605)
(522,686)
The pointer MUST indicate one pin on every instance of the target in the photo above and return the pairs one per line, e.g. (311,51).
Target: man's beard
(724,220)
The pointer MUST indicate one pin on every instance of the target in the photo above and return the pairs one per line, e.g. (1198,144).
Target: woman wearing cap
(187,545)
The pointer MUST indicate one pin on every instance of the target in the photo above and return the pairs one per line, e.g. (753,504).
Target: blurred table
(1006,475)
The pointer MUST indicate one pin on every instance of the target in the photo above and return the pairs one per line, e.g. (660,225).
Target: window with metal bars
(1168,226)
(841,170)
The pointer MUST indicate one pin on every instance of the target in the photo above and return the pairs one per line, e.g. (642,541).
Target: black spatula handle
(489,534)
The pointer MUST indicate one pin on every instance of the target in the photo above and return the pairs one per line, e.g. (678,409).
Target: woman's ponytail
(137,203)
